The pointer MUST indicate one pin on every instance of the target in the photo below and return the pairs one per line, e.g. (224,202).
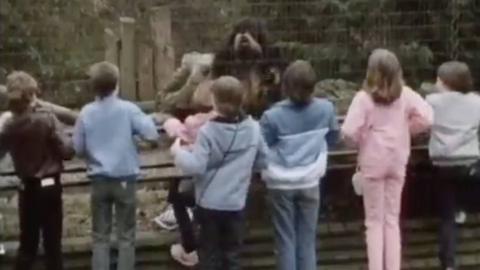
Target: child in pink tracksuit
(380,121)
(181,193)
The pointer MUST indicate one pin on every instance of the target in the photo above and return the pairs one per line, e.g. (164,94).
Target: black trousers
(452,183)
(180,202)
(40,211)
(221,238)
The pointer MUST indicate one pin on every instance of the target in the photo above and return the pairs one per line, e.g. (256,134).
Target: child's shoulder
(323,103)
(44,116)
(127,105)
(213,125)
(474,96)
(87,108)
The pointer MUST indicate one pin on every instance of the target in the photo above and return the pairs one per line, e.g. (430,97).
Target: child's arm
(261,157)
(144,126)
(420,116)
(333,129)
(60,140)
(63,114)
(194,161)
(79,137)
(355,120)
(269,131)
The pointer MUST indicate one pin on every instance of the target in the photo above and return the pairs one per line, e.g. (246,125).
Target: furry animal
(247,55)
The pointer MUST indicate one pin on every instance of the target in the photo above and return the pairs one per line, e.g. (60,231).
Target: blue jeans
(108,194)
(295,217)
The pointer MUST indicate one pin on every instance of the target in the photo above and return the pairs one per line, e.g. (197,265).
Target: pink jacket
(187,131)
(382,133)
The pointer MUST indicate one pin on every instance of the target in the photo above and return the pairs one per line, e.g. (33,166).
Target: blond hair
(228,95)
(21,89)
(104,78)
(384,80)
(456,76)
(299,81)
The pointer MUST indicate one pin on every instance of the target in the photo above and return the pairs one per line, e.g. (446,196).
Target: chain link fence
(56,40)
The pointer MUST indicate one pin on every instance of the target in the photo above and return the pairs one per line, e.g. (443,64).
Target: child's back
(454,136)
(382,132)
(107,127)
(225,153)
(35,145)
(298,136)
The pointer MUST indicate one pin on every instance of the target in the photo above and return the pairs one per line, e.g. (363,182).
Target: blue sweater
(298,137)
(221,162)
(104,135)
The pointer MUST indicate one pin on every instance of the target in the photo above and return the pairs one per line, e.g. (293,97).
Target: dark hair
(228,96)
(103,78)
(456,76)
(299,81)
(384,80)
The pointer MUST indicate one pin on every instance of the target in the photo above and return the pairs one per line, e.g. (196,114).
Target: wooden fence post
(127,59)
(164,58)
(111,48)
(146,87)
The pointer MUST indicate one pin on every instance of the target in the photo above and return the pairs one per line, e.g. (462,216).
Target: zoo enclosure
(57,40)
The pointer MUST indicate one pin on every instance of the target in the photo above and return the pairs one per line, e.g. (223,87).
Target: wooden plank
(146,89)
(111,46)
(127,59)
(164,59)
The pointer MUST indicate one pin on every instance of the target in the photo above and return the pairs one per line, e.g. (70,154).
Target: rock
(339,91)
(426,88)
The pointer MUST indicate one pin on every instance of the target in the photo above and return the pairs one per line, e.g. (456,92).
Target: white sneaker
(181,256)
(460,217)
(167,220)
(2,250)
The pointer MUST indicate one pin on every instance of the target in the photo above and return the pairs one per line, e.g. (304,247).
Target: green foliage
(338,35)
(51,38)
(57,39)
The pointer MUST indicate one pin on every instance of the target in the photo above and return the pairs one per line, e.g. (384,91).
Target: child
(181,194)
(37,146)
(379,122)
(297,131)
(221,161)
(453,146)
(104,135)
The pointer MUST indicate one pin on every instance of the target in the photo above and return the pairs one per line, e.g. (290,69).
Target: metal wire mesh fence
(56,40)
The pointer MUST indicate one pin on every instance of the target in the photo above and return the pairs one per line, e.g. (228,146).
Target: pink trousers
(382,201)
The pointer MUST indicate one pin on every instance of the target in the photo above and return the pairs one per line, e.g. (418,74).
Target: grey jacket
(454,134)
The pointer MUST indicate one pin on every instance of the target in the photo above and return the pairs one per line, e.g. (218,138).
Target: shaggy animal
(247,55)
